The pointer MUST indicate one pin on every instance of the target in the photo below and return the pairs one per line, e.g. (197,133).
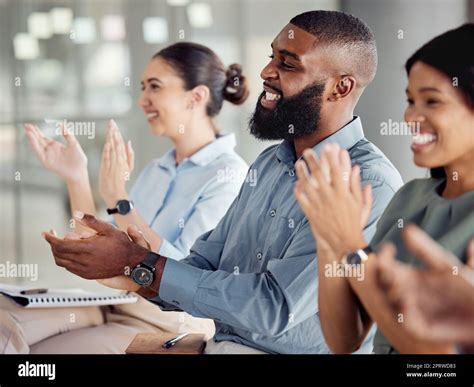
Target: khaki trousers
(88,330)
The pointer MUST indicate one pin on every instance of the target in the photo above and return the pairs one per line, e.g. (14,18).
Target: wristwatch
(123,207)
(144,273)
(357,257)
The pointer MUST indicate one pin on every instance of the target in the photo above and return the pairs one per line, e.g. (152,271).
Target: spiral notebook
(59,298)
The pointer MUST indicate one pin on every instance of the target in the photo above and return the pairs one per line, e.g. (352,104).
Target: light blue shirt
(181,202)
(255,274)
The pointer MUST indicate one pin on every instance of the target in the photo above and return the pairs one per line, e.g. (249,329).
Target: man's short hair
(354,38)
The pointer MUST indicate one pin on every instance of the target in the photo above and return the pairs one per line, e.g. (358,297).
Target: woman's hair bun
(236,88)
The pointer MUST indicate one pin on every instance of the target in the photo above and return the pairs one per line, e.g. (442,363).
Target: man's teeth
(421,139)
(271,96)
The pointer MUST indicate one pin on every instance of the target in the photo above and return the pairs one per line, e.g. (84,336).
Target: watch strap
(150,260)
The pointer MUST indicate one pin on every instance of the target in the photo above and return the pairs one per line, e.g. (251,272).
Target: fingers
(304,176)
(68,136)
(346,168)
(44,141)
(392,276)
(35,141)
(63,248)
(470,254)
(116,130)
(92,222)
(303,200)
(427,250)
(355,182)
(111,142)
(315,175)
(367,201)
(385,261)
(117,139)
(130,156)
(137,236)
(106,156)
(332,153)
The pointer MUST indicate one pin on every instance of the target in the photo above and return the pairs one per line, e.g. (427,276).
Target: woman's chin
(157,130)
(423,162)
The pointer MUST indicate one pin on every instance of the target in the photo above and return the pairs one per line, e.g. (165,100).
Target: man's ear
(199,96)
(343,87)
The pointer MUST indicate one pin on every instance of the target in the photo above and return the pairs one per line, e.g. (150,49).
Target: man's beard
(291,118)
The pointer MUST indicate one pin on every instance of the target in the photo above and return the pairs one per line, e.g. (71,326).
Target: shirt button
(292,172)
(259,256)
(273,213)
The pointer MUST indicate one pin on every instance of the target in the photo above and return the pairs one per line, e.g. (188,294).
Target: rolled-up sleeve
(268,303)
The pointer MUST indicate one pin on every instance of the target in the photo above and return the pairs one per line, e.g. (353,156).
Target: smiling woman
(442,205)
(176,198)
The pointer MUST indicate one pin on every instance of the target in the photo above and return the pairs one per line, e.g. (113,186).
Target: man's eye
(286,65)
(271,56)
(432,101)
(409,101)
(154,87)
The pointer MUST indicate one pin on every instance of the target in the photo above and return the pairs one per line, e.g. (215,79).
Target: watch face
(142,276)
(123,207)
(353,259)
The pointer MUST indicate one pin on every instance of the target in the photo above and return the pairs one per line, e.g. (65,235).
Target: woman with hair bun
(175,199)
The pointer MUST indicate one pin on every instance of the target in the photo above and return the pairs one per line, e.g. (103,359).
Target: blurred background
(82,61)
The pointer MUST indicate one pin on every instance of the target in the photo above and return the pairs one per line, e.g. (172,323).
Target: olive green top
(448,221)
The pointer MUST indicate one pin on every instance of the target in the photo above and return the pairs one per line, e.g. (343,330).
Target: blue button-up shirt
(255,274)
(180,202)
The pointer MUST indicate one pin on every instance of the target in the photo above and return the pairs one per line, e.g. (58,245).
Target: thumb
(68,135)
(137,236)
(92,222)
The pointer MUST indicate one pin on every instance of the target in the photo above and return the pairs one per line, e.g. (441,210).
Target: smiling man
(255,274)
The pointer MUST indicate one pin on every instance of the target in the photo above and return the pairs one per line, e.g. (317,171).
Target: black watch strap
(150,260)
(122,207)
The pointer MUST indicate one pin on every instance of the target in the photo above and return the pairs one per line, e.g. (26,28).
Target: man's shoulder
(375,165)
(267,154)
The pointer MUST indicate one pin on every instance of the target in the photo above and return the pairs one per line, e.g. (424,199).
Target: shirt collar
(346,137)
(222,144)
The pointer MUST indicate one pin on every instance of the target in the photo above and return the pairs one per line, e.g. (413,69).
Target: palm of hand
(68,161)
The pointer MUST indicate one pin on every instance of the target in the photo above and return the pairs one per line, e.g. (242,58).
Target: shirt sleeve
(269,303)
